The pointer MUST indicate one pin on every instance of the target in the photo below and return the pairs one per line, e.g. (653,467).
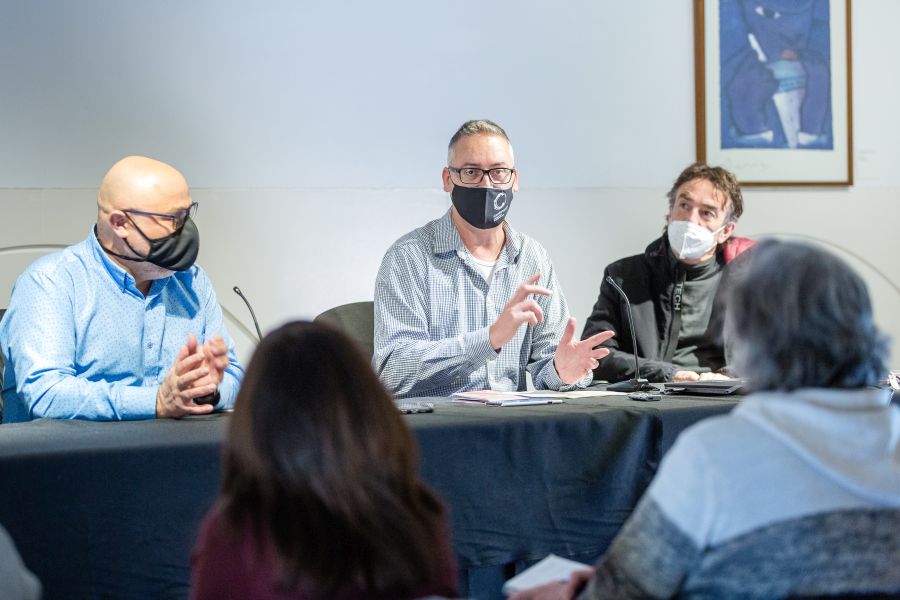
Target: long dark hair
(319,461)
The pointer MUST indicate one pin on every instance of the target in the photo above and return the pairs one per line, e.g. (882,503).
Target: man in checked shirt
(466,302)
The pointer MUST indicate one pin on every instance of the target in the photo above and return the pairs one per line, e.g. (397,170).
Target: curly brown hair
(722,179)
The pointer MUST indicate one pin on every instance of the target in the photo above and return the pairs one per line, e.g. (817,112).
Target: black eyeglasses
(472,175)
(178,218)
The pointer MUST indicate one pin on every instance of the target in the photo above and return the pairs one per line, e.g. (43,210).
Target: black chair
(356,319)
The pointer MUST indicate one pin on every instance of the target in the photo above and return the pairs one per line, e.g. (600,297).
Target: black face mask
(484,208)
(175,252)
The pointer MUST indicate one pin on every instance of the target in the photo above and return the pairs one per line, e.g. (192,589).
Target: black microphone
(637,384)
(237,291)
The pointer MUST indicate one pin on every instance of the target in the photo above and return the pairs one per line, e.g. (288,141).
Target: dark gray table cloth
(111,510)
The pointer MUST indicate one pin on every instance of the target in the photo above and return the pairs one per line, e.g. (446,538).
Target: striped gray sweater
(790,495)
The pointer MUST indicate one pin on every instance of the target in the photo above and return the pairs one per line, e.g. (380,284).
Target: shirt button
(149,344)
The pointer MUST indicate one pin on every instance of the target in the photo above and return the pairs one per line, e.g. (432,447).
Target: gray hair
(476,127)
(800,317)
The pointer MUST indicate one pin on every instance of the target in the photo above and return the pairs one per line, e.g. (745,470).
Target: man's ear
(515,185)
(445,177)
(726,233)
(119,223)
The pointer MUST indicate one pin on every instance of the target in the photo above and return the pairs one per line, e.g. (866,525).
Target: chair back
(356,319)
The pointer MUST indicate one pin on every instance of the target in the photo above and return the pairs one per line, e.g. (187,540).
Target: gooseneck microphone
(636,384)
(238,291)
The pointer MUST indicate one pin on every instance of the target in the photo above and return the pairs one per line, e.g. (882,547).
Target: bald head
(141,183)
(138,183)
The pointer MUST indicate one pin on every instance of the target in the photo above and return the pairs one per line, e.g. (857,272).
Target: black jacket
(649,280)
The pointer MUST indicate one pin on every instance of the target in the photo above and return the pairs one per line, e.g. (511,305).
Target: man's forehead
(168,204)
(704,192)
(155,198)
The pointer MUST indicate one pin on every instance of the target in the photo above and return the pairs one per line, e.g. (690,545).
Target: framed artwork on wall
(773,90)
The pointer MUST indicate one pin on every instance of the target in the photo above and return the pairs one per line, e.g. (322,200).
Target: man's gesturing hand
(521,308)
(190,377)
(574,360)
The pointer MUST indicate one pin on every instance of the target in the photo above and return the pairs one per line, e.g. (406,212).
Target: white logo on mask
(500,201)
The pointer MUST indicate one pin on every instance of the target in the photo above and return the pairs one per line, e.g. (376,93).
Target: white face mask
(690,241)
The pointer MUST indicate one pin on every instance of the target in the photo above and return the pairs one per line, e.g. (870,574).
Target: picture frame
(773,86)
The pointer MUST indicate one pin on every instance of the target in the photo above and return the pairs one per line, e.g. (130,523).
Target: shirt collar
(120,276)
(446,238)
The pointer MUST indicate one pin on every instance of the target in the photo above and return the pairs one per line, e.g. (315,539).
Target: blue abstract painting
(775,74)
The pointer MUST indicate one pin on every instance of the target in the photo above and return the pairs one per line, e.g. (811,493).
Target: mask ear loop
(136,226)
(137,257)
(143,235)
(720,230)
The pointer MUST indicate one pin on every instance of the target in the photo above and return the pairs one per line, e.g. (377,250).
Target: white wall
(314,133)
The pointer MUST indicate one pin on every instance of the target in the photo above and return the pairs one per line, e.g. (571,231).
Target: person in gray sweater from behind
(796,492)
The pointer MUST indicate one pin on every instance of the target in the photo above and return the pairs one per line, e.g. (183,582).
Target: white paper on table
(492,398)
(488,395)
(551,568)
(571,394)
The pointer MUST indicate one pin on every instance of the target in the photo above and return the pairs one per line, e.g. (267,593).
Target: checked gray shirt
(433,310)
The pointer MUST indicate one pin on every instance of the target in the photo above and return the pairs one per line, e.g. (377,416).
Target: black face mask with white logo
(484,208)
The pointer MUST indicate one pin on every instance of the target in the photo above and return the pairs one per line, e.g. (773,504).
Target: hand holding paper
(553,578)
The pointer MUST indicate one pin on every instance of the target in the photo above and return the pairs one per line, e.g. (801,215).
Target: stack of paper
(493,398)
(570,394)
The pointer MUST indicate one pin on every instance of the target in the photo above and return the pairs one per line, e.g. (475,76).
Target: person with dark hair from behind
(673,286)
(320,496)
(16,581)
(796,493)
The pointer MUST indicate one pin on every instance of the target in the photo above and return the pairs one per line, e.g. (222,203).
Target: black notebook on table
(723,387)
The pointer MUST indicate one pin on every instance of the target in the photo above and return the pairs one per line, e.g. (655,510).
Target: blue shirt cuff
(228,390)
(137,403)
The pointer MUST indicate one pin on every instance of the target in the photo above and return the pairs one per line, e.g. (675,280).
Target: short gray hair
(476,127)
(798,317)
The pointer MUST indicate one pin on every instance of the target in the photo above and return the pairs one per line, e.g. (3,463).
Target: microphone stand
(636,384)
(237,291)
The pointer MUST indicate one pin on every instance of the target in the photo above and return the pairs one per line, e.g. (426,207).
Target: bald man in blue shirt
(122,325)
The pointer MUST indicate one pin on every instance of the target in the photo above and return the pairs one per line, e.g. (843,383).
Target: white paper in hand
(552,568)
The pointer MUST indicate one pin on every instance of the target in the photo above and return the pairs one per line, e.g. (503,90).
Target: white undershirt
(485,268)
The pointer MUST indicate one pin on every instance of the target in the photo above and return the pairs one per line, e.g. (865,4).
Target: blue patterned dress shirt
(83,343)
(433,312)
